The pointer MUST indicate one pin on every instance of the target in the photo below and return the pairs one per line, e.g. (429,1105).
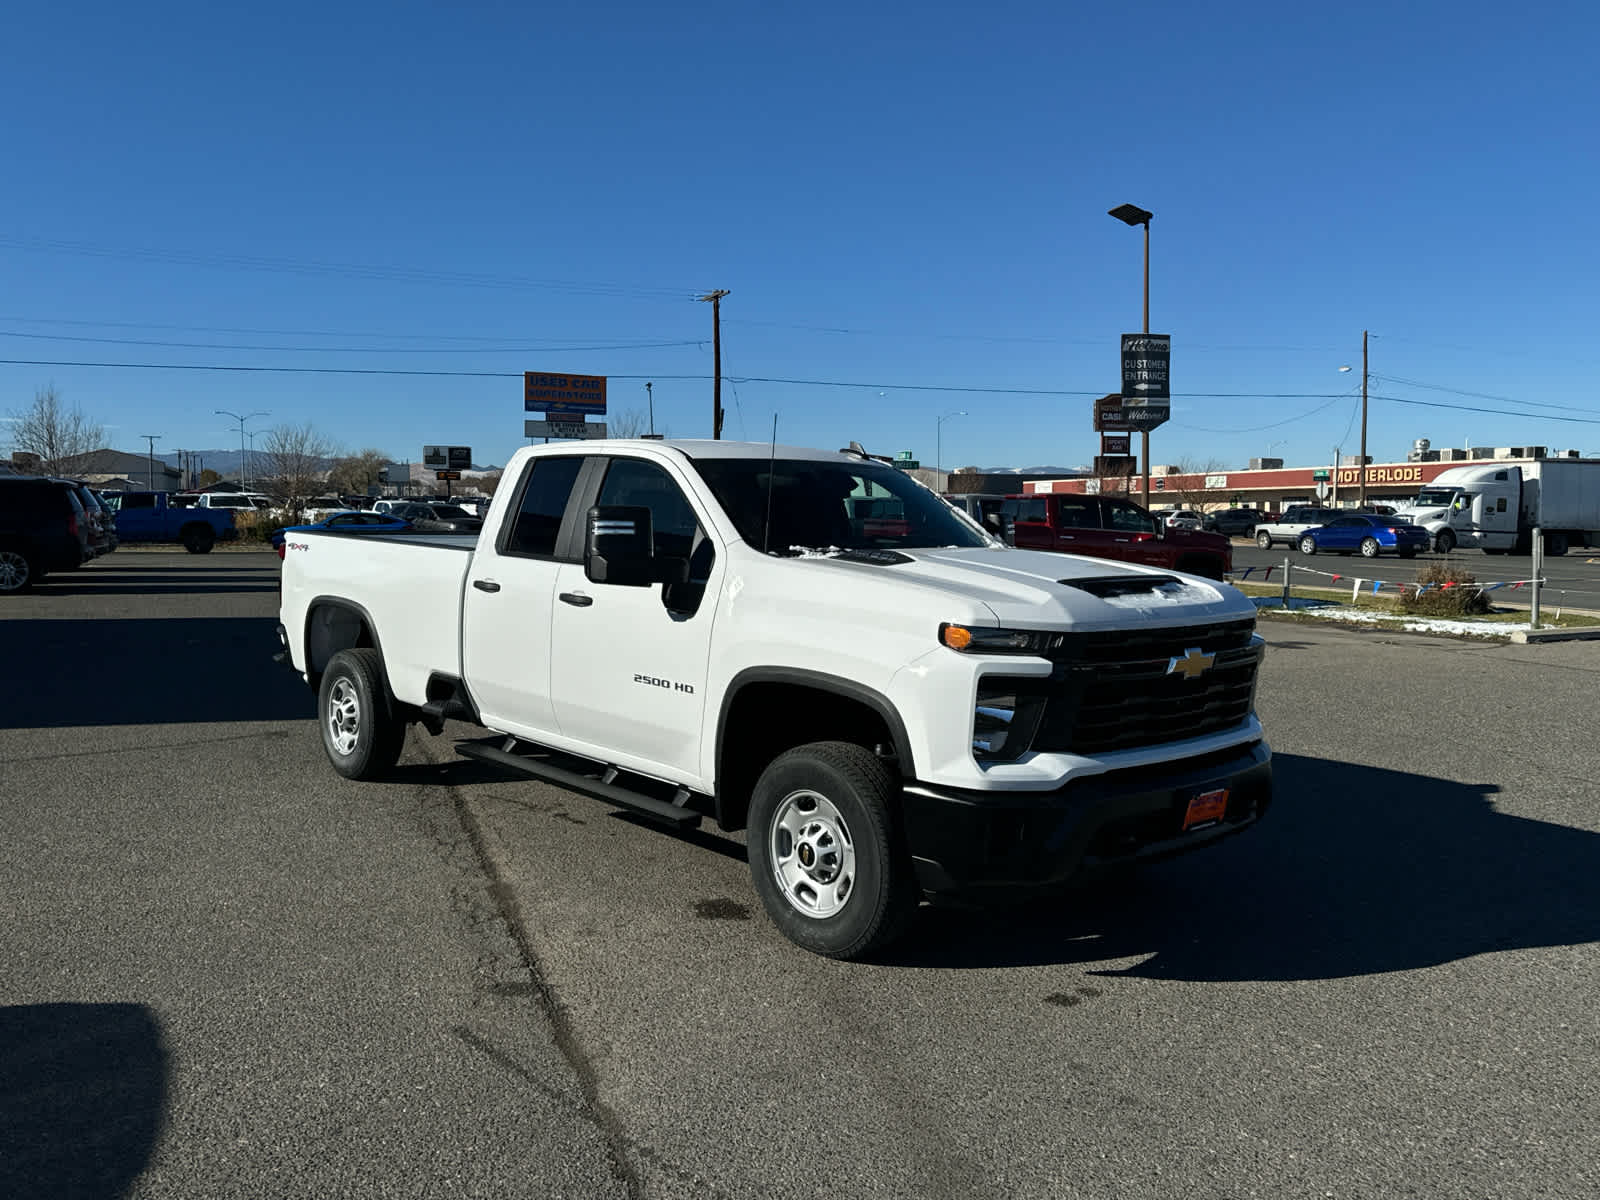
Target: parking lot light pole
(244,472)
(938,446)
(1132,214)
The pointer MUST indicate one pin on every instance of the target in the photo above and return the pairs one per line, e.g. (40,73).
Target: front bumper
(972,843)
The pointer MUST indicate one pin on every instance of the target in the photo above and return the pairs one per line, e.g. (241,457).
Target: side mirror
(619,546)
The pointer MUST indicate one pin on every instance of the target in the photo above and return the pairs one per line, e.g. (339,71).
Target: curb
(1524,636)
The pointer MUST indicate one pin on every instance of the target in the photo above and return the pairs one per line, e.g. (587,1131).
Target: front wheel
(826,855)
(1308,545)
(1444,542)
(1264,540)
(1370,548)
(359,729)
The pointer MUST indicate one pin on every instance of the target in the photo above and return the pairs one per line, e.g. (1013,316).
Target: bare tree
(355,473)
(630,424)
(297,458)
(53,434)
(1187,489)
(488,483)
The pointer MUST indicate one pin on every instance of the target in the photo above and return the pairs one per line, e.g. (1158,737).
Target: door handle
(577,599)
(486,585)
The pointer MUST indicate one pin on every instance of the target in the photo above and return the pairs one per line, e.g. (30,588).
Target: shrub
(1433,599)
(254,526)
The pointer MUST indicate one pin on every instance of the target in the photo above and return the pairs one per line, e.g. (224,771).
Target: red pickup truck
(1112,527)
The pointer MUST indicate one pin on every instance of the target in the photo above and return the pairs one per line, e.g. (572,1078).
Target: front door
(506,613)
(629,664)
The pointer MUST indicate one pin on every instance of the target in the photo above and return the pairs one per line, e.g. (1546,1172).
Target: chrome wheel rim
(344,716)
(13,570)
(813,856)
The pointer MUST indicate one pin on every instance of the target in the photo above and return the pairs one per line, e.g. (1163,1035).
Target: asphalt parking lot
(228,972)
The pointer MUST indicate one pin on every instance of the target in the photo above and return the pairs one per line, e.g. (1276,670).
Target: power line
(67,337)
(1492,411)
(1439,387)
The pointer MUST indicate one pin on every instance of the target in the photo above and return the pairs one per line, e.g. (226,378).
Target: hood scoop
(876,558)
(1107,586)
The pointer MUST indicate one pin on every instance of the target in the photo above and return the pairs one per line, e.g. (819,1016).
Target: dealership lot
(262,979)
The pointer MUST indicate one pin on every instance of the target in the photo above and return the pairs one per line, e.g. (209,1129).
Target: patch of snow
(1359,616)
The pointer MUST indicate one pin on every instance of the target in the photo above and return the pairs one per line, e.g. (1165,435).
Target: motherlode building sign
(1393,481)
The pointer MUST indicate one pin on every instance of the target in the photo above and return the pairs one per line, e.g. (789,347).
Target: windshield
(827,505)
(1435,497)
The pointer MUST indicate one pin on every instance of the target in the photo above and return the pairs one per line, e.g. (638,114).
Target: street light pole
(244,474)
(938,441)
(650,399)
(1132,214)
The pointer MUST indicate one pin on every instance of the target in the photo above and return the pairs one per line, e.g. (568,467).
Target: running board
(647,806)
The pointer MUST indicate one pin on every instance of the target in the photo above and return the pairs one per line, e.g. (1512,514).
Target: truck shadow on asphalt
(141,671)
(1354,871)
(82,1098)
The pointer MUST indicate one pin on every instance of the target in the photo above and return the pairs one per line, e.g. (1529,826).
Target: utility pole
(1363,418)
(650,399)
(152,438)
(716,360)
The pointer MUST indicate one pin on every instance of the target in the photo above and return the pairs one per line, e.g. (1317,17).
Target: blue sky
(899,198)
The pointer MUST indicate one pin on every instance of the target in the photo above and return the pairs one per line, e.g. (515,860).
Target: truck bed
(408,583)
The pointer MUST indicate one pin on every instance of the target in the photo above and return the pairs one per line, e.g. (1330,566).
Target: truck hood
(1036,588)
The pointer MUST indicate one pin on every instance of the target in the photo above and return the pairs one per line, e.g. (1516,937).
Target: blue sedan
(344,522)
(1367,535)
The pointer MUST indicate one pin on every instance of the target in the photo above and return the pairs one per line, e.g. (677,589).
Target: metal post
(1538,572)
(1286,569)
(1144,434)
(650,399)
(1363,419)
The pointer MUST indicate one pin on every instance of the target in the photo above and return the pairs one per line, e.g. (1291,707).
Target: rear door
(506,610)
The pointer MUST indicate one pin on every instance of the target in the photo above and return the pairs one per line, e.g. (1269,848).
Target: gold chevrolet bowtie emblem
(1192,664)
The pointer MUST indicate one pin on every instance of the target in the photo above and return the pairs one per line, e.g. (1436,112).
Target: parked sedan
(343,522)
(1367,534)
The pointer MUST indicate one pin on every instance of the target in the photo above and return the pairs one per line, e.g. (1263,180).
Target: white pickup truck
(807,644)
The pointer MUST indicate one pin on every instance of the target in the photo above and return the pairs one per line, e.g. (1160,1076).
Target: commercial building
(1271,487)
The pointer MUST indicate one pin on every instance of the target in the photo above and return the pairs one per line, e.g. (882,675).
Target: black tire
(360,731)
(1264,540)
(1370,548)
(851,826)
(17,570)
(1555,544)
(198,539)
(1308,545)
(1409,552)
(1444,542)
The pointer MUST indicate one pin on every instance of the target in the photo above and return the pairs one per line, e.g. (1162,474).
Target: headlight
(998,641)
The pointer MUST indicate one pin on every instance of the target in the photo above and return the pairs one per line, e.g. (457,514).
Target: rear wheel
(17,572)
(1264,540)
(360,731)
(198,539)
(1409,552)
(826,854)
(1555,544)
(1308,545)
(1370,548)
